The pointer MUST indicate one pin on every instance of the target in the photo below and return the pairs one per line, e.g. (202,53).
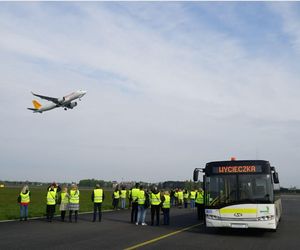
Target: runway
(116,232)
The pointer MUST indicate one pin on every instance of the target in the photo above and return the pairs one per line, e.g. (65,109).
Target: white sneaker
(137,223)
(144,224)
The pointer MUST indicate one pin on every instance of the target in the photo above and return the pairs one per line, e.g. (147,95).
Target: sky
(170,86)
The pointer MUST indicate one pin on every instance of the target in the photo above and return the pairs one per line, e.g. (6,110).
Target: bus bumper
(271,224)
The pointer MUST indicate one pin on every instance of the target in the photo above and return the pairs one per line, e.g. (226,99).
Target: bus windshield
(224,190)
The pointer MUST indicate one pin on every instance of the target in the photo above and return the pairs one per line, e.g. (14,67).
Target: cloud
(167,89)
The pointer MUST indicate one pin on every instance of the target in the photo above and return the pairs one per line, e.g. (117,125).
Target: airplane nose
(83,92)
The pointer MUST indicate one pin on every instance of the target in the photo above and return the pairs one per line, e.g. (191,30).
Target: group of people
(140,200)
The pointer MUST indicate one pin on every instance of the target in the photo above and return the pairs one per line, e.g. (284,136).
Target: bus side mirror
(196,174)
(275,178)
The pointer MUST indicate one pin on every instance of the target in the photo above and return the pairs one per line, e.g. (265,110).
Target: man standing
(142,209)
(200,204)
(155,205)
(97,198)
(134,204)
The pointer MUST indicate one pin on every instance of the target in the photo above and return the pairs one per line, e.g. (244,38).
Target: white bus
(241,194)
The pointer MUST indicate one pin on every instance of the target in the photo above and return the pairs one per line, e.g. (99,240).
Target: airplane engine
(61,100)
(72,105)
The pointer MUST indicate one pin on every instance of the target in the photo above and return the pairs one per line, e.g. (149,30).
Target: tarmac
(116,232)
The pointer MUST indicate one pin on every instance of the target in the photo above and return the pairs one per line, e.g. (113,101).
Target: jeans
(123,203)
(141,214)
(24,211)
(192,203)
(166,212)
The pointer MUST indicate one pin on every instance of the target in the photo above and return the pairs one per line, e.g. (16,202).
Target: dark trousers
(134,211)
(62,215)
(166,212)
(70,215)
(115,203)
(97,206)
(200,211)
(185,204)
(155,210)
(50,210)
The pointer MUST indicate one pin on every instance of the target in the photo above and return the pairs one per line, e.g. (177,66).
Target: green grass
(10,208)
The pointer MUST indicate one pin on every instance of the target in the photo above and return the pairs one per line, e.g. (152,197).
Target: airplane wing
(48,98)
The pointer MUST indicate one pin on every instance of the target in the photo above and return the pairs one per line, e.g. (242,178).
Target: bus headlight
(265,218)
(213,217)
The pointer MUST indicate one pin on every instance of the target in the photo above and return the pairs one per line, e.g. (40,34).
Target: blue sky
(171,86)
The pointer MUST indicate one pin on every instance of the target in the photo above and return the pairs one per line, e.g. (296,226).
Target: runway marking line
(162,237)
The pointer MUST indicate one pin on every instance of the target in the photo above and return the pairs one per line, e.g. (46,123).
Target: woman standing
(74,202)
(64,202)
(24,200)
(116,197)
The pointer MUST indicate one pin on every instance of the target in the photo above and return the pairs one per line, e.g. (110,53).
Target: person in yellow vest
(143,200)
(123,194)
(192,198)
(129,199)
(176,197)
(134,202)
(97,198)
(64,203)
(116,198)
(185,198)
(166,205)
(74,202)
(180,198)
(51,200)
(24,200)
(200,204)
(155,205)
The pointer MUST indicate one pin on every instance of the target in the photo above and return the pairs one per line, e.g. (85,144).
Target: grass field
(10,209)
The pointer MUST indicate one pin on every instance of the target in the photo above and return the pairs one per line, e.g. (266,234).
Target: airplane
(65,102)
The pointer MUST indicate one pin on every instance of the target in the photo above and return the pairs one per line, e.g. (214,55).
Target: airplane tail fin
(36,104)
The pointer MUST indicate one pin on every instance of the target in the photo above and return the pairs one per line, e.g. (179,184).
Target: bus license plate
(239,225)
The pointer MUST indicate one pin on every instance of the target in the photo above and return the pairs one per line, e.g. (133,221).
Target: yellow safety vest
(166,203)
(74,196)
(51,197)
(64,198)
(98,195)
(193,195)
(134,194)
(141,197)
(25,198)
(116,195)
(155,199)
(199,198)
(123,194)
(180,195)
(186,195)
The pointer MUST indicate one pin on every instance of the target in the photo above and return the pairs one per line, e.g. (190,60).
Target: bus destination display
(237,169)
